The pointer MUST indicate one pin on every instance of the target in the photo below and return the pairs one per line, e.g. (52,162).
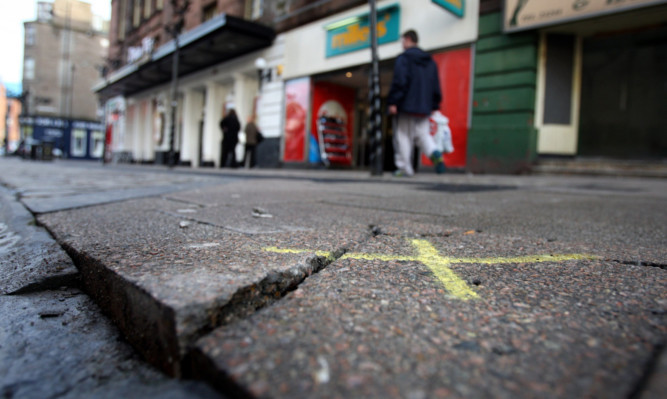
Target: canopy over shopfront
(220,39)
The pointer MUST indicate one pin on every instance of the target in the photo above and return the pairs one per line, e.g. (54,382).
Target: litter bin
(47,151)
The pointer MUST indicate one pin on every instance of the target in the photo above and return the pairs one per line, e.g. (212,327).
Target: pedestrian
(252,135)
(230,127)
(414,95)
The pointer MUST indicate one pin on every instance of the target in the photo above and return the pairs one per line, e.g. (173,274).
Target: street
(328,284)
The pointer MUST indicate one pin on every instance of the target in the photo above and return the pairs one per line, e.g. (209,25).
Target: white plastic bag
(443,134)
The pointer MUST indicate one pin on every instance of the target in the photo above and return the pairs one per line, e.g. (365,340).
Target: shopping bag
(443,134)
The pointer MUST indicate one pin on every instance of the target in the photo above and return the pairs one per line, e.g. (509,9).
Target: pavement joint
(440,265)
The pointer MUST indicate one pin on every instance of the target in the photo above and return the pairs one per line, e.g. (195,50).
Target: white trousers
(408,130)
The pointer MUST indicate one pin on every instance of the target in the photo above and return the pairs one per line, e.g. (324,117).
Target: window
(96,144)
(208,12)
(122,16)
(29,35)
(29,69)
(159,4)
(254,9)
(148,8)
(136,15)
(78,143)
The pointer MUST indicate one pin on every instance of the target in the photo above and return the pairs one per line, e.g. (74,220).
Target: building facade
(10,110)
(519,81)
(64,51)
(568,79)
(290,41)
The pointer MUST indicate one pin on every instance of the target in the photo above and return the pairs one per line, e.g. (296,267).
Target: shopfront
(326,79)
(601,75)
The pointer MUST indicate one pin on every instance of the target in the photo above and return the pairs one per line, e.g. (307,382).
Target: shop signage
(456,7)
(354,33)
(528,14)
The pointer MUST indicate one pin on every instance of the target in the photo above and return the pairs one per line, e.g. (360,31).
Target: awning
(217,40)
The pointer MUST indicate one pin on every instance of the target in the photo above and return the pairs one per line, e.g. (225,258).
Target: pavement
(329,284)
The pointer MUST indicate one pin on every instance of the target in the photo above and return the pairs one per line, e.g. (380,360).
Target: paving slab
(57,344)
(379,323)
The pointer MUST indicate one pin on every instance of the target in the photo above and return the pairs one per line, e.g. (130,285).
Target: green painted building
(568,79)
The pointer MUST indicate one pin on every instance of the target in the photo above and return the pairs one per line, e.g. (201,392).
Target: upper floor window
(208,12)
(29,35)
(148,8)
(29,69)
(122,19)
(254,9)
(136,15)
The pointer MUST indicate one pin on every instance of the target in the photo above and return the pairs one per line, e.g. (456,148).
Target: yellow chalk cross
(439,265)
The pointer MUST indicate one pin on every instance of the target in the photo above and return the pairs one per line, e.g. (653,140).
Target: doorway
(623,91)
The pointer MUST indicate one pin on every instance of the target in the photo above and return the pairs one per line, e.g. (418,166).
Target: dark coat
(230,129)
(415,88)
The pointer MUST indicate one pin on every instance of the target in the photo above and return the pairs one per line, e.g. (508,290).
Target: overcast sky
(12,15)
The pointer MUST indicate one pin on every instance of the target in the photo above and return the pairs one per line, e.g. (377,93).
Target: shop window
(97,144)
(559,75)
(78,143)
(29,69)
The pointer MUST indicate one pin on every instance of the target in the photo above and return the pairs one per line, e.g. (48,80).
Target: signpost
(375,118)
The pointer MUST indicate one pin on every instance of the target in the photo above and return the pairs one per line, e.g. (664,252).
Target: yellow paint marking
(439,265)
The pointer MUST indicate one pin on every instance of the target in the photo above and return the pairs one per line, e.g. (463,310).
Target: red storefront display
(297,102)
(333,124)
(454,74)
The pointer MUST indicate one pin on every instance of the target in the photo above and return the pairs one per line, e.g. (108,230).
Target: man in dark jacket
(230,127)
(414,94)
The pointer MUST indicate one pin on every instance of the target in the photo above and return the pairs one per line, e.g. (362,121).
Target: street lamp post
(174,29)
(375,117)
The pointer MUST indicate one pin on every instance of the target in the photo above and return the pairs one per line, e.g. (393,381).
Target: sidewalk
(289,284)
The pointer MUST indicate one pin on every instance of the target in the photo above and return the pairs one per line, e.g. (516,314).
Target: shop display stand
(334,141)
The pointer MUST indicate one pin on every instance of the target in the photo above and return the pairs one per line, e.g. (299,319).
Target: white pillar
(245,89)
(134,129)
(212,115)
(147,129)
(193,104)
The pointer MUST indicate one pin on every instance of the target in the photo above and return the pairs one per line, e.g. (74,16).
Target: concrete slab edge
(158,332)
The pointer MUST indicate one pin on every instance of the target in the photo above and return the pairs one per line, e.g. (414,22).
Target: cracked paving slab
(374,326)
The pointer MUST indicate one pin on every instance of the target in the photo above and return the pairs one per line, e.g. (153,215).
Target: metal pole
(375,117)
(174,101)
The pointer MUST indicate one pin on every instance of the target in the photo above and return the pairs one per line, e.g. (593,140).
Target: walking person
(252,135)
(230,127)
(414,95)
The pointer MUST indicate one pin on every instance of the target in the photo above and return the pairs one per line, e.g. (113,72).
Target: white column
(245,89)
(134,129)
(212,114)
(190,139)
(147,129)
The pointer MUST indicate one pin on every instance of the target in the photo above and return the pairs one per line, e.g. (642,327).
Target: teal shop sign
(354,33)
(456,7)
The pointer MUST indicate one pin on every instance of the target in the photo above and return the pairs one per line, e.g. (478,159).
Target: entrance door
(624,87)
